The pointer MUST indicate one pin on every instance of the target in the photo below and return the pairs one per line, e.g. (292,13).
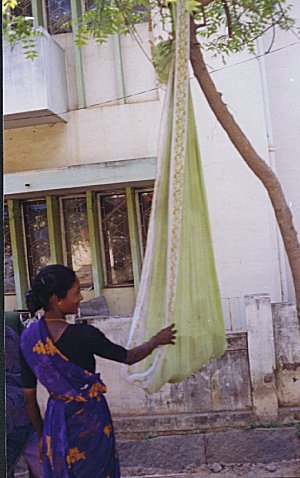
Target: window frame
(5,205)
(63,231)
(102,242)
(23,217)
(139,218)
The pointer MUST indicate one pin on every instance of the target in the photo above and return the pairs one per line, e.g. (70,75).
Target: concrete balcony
(35,91)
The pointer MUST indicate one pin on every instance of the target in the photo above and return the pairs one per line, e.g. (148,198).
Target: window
(77,239)
(116,240)
(37,239)
(58,14)
(23,9)
(145,203)
(9,282)
(114,231)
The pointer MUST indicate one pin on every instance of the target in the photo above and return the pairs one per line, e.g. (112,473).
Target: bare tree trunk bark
(252,159)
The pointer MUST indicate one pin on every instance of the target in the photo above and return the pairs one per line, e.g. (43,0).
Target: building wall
(283,83)
(243,225)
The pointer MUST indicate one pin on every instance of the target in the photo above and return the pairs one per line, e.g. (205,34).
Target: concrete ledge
(159,425)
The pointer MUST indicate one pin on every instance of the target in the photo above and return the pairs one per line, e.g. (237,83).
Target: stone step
(177,453)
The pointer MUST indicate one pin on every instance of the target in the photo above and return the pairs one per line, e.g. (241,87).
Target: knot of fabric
(95,390)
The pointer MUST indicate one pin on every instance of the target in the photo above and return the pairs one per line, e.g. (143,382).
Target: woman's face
(70,304)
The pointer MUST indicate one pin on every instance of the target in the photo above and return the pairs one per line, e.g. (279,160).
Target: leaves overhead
(108,17)
(224,26)
(232,25)
(19,29)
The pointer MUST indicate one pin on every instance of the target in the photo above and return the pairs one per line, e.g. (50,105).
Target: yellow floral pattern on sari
(49,450)
(74,455)
(107,430)
(47,348)
(96,391)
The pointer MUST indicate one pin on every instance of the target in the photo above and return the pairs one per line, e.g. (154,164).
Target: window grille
(58,15)
(37,238)
(77,239)
(116,240)
(9,281)
(145,203)
(23,9)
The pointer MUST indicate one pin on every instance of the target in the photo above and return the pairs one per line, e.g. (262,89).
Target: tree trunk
(252,159)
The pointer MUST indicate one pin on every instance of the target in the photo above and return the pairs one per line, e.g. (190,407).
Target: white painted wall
(38,84)
(242,220)
(98,134)
(283,82)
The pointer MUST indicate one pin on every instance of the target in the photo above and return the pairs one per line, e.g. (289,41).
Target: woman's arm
(33,409)
(163,337)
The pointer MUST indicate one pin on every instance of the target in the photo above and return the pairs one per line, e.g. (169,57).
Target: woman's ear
(54,301)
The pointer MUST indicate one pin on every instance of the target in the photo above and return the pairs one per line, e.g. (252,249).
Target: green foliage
(162,55)
(224,26)
(106,18)
(231,29)
(19,29)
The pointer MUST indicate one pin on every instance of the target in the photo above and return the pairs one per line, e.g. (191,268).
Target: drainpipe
(119,69)
(272,162)
(76,12)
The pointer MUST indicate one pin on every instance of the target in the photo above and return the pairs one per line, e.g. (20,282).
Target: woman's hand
(165,336)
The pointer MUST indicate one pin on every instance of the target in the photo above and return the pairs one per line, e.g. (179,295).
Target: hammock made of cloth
(179,283)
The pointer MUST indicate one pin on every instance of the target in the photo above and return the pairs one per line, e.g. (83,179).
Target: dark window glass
(9,281)
(116,240)
(58,14)
(89,5)
(145,203)
(37,238)
(23,9)
(77,239)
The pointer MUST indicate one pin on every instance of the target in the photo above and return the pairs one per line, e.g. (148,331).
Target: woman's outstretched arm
(163,337)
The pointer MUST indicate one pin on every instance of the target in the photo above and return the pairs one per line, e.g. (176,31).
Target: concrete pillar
(261,352)
(54,230)
(18,251)
(93,222)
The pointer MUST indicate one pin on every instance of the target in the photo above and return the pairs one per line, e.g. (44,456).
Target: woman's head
(52,282)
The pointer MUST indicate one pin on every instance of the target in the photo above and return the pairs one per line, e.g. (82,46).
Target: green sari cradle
(179,281)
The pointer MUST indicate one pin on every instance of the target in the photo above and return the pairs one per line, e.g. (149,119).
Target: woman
(77,437)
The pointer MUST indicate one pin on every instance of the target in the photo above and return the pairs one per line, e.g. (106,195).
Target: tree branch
(228,17)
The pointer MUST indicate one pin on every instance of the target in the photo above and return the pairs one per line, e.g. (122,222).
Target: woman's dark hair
(52,280)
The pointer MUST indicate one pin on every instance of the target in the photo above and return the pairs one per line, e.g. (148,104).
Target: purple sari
(78,435)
